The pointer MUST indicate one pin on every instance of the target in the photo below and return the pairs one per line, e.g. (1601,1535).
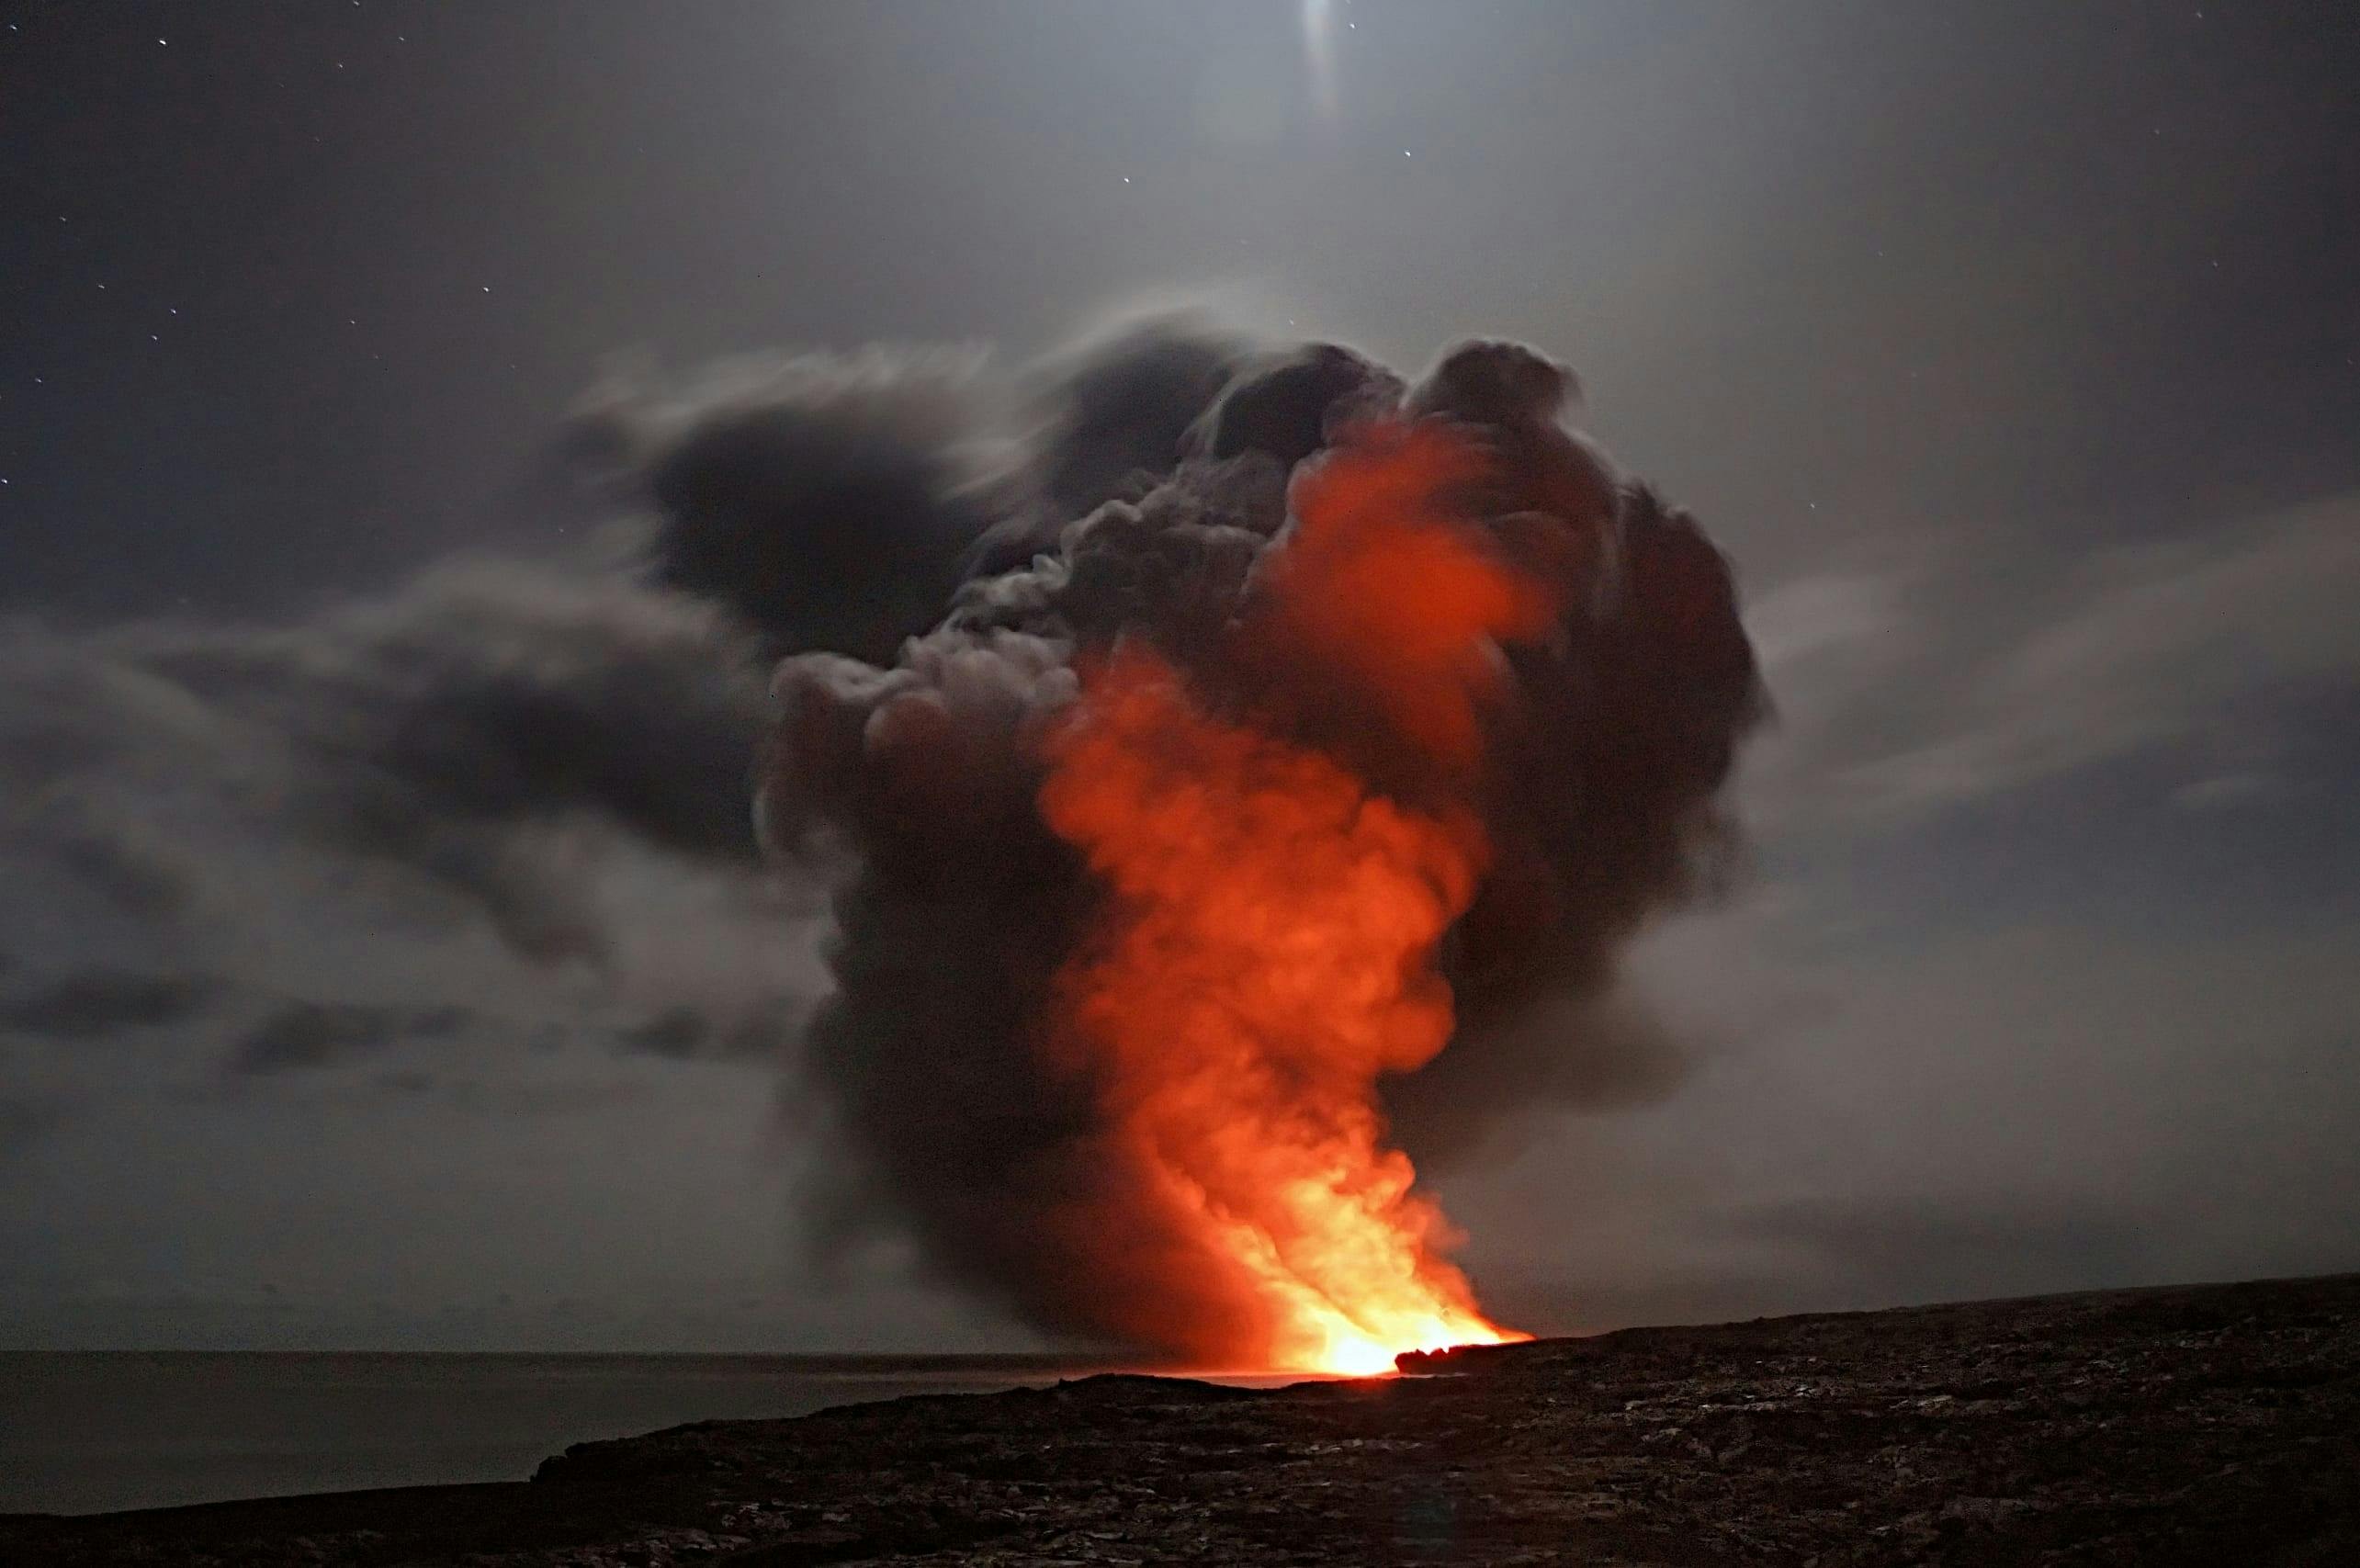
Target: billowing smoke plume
(981,589)
(1576,757)
(827,500)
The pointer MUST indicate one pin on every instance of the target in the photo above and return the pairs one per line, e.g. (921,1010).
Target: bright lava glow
(1269,949)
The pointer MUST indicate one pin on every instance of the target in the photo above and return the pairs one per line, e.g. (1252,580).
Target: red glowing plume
(1268,946)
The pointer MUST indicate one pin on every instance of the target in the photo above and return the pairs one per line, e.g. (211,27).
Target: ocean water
(88,1433)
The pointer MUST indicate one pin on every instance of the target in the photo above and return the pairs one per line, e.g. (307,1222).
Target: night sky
(2012,351)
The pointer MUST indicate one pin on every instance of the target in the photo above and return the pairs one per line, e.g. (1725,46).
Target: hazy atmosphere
(386,959)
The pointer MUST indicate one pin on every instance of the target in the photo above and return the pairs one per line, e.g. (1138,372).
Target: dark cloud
(770,1030)
(523,1100)
(1111,416)
(444,730)
(686,1031)
(91,1004)
(828,501)
(1117,409)
(317,1034)
(489,695)
(680,1033)
(135,880)
(1289,404)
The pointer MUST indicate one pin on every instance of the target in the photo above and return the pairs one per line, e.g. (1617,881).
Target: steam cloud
(930,1062)
(936,558)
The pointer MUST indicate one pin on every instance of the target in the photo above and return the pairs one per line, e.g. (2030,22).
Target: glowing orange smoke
(1274,918)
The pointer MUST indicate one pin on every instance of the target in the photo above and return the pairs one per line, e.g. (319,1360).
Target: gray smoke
(926,1069)
(489,743)
(420,731)
(827,500)
(934,549)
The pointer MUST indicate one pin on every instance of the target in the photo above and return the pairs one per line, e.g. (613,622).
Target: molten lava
(1268,948)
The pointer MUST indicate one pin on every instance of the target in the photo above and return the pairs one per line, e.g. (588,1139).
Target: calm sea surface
(87,1433)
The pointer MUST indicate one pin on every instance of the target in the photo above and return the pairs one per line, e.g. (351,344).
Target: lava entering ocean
(1274,916)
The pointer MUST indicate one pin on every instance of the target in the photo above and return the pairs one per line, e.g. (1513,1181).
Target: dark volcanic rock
(2203,1426)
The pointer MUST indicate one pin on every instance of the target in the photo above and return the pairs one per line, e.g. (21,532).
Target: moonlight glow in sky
(1319,55)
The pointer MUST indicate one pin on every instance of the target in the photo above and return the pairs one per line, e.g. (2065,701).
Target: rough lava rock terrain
(2209,1425)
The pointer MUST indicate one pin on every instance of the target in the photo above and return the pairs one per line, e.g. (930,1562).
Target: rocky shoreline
(2209,1425)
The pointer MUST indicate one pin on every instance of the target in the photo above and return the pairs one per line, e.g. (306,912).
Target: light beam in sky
(1319,52)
